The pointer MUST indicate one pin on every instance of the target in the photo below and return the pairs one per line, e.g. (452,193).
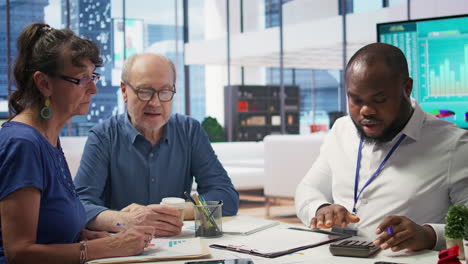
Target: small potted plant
(455,221)
(214,130)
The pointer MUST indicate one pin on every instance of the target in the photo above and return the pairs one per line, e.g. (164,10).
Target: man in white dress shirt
(389,162)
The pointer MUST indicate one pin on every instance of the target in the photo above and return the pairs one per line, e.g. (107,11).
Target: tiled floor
(253,203)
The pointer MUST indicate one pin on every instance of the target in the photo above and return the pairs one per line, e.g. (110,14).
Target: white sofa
(243,161)
(287,160)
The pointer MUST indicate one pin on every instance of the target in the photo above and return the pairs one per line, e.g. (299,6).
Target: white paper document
(246,225)
(165,249)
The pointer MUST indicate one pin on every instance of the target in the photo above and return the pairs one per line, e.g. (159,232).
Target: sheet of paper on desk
(246,225)
(281,239)
(165,249)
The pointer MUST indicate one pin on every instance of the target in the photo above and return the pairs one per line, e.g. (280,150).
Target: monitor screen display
(437,54)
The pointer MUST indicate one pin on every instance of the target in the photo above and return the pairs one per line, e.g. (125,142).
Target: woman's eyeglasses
(83,82)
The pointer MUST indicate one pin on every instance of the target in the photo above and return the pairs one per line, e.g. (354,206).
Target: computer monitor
(437,54)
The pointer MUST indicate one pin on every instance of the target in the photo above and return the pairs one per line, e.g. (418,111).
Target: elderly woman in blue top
(134,160)
(42,218)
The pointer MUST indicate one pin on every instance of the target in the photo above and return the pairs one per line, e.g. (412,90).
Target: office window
(361,6)
(318,93)
(349,6)
(3,64)
(53,14)
(396,2)
(196,22)
(3,54)
(22,13)
(272,12)
(196,31)
(92,19)
(325,87)
(318,89)
(162,24)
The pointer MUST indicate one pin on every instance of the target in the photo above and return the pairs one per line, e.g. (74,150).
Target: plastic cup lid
(174,202)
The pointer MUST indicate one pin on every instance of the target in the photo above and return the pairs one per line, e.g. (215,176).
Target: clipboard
(285,241)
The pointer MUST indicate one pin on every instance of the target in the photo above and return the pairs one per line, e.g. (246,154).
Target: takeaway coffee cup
(177,203)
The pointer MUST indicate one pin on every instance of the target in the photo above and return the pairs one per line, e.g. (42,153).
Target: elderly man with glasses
(134,160)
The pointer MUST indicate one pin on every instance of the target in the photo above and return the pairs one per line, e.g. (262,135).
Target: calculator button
(353,248)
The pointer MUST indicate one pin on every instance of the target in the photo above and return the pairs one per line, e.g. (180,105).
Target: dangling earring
(46,109)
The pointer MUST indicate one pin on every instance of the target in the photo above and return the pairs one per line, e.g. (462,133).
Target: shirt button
(152,179)
(151,155)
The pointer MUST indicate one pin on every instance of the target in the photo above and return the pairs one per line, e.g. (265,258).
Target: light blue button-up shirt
(119,166)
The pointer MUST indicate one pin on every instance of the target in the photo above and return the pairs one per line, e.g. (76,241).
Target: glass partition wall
(251,50)
(5,61)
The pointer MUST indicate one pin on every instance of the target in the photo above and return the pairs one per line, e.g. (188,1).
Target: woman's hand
(131,241)
(87,234)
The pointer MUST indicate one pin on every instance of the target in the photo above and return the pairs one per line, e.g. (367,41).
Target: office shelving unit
(253,111)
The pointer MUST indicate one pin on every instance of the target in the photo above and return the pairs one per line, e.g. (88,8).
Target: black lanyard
(358,168)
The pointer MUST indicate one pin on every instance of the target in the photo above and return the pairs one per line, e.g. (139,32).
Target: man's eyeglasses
(83,82)
(164,95)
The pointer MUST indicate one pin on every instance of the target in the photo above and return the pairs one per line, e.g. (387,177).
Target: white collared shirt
(425,175)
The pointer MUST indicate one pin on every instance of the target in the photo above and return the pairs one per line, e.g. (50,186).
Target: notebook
(246,225)
(281,242)
(164,249)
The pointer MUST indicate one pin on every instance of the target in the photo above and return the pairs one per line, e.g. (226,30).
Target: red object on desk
(449,256)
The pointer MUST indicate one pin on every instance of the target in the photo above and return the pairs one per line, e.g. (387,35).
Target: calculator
(353,248)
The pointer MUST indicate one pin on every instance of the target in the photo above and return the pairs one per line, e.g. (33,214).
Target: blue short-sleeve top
(27,159)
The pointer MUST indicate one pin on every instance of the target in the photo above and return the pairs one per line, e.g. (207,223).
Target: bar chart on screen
(446,73)
(437,53)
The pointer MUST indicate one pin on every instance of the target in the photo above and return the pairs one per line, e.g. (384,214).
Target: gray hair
(128,64)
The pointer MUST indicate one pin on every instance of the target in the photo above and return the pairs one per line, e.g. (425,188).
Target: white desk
(319,254)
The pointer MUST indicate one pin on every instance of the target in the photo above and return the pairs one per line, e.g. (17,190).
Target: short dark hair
(41,48)
(376,53)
